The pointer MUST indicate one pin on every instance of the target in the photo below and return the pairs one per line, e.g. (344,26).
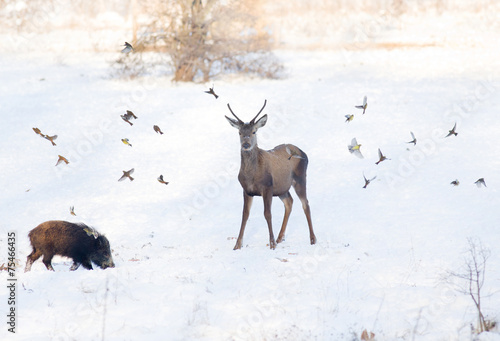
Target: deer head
(248,137)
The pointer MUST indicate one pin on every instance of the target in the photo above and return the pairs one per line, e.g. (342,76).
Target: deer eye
(254,132)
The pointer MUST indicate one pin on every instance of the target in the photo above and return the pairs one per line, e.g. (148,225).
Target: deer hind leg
(300,188)
(268,199)
(247,204)
(288,202)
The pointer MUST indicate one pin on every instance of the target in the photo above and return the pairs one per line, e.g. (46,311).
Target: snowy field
(383,252)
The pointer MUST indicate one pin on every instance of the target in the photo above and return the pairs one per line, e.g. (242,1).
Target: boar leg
(47,259)
(75,266)
(87,264)
(31,259)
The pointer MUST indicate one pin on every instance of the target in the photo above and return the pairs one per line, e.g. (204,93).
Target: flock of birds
(127,117)
(355,147)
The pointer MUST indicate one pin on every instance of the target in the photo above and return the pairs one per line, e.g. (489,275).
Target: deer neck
(251,170)
(250,159)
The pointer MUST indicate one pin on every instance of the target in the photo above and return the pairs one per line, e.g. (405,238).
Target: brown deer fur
(270,173)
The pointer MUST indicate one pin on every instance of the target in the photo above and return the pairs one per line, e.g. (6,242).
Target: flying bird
(126,117)
(126,142)
(367,182)
(480,182)
(455,182)
(72,210)
(50,138)
(157,129)
(452,131)
(349,118)
(381,157)
(160,179)
(292,153)
(212,92)
(126,174)
(414,141)
(130,114)
(354,147)
(37,131)
(91,232)
(128,48)
(62,159)
(363,106)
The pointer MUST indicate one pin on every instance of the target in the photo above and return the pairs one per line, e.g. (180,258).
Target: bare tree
(205,38)
(472,279)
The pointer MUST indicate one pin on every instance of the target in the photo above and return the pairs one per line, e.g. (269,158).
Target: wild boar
(77,241)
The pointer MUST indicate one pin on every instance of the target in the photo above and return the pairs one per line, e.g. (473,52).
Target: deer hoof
(313,239)
(272,244)
(237,246)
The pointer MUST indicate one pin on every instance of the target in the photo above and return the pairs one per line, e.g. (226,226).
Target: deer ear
(261,122)
(232,122)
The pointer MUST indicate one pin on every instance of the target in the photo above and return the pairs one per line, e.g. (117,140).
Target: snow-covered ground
(382,254)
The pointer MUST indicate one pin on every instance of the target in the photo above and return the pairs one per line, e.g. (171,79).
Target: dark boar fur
(77,241)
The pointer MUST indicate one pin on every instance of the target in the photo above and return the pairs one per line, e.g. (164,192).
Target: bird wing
(364,101)
(130,172)
(354,142)
(412,135)
(380,155)
(357,152)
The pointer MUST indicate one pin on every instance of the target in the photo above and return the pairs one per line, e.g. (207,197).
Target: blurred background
(74,26)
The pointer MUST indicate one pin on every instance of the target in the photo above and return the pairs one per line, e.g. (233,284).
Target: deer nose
(246,145)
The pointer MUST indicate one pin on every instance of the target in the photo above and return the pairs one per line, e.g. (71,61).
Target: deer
(269,173)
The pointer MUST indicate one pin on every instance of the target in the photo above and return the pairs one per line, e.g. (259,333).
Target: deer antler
(253,120)
(240,121)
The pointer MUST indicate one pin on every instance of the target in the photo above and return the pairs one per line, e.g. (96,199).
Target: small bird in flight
(160,179)
(50,138)
(91,232)
(381,157)
(126,174)
(349,118)
(455,182)
(157,129)
(62,159)
(452,131)
(212,92)
(292,153)
(128,48)
(414,141)
(126,117)
(367,182)
(37,131)
(363,106)
(480,182)
(127,142)
(72,210)
(354,147)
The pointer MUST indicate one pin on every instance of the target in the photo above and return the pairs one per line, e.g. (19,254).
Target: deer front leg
(288,202)
(268,199)
(247,203)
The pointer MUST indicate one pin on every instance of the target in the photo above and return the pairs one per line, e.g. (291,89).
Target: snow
(382,251)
